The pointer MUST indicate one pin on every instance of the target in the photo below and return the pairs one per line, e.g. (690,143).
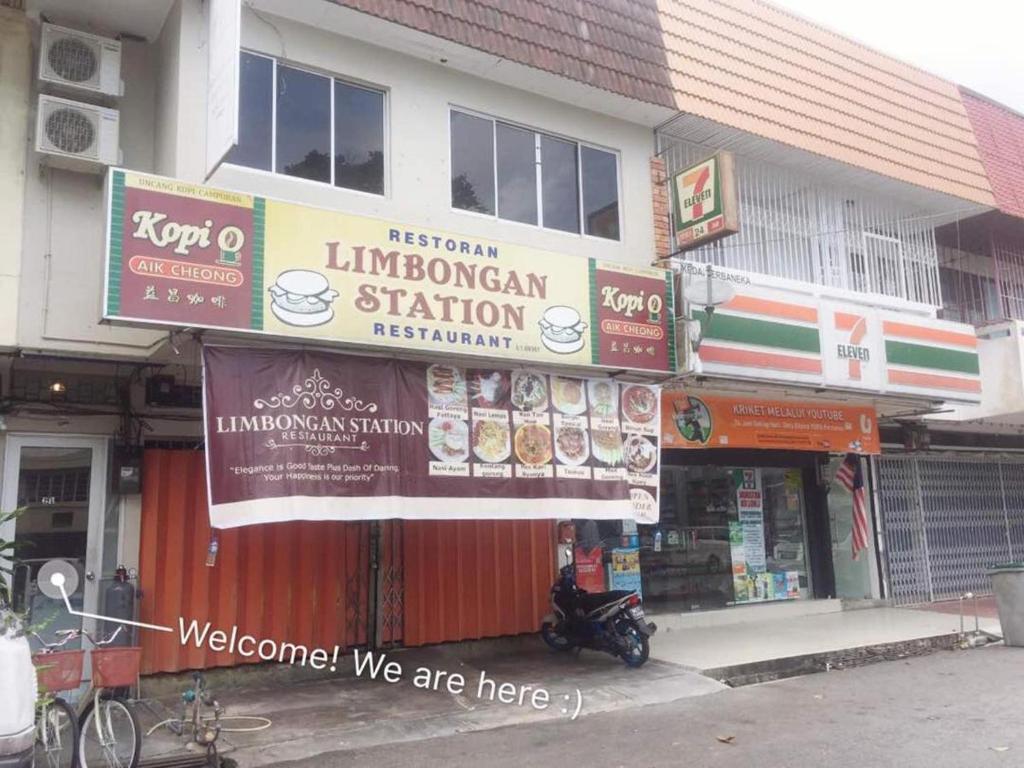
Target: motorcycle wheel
(554,639)
(639,649)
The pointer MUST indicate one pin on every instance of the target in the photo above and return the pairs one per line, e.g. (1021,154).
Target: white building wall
(163,130)
(15,80)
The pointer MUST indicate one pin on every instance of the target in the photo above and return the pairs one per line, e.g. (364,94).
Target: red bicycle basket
(115,667)
(60,670)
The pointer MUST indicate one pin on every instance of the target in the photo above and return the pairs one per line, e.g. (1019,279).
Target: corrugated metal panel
(301,582)
(468,579)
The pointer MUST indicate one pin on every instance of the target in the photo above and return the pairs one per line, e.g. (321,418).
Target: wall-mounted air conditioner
(79,60)
(76,136)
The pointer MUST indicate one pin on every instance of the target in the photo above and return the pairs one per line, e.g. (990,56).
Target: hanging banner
(181,254)
(302,435)
(708,421)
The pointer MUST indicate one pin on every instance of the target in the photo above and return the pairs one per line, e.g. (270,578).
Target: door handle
(90,576)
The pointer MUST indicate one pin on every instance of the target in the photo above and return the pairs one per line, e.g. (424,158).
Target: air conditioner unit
(76,136)
(79,60)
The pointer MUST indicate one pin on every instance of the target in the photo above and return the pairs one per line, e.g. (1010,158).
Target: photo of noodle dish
(449,440)
(607,446)
(639,403)
(533,444)
(641,454)
(491,440)
(603,398)
(529,391)
(446,385)
(567,395)
(571,446)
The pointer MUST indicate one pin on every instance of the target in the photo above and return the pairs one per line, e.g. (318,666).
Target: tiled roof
(743,63)
(1000,133)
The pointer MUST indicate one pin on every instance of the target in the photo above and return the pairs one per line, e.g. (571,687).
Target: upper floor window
(522,175)
(299,123)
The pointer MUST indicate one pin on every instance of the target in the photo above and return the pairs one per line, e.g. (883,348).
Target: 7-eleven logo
(695,192)
(853,350)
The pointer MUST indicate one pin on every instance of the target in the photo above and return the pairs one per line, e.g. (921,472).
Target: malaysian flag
(852,478)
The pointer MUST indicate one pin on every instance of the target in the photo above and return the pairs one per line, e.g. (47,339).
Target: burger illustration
(302,297)
(561,330)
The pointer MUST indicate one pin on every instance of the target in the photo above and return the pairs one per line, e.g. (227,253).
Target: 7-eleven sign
(704,201)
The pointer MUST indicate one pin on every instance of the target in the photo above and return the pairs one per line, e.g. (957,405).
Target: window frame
(537,134)
(385,94)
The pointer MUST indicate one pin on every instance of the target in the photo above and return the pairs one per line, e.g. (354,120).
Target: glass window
(472,154)
(600,193)
(255,113)
(358,138)
(517,174)
(495,171)
(727,536)
(560,184)
(306,126)
(303,124)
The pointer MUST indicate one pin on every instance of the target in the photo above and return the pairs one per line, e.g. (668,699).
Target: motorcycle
(612,622)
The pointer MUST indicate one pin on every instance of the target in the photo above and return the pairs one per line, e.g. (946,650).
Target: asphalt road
(955,709)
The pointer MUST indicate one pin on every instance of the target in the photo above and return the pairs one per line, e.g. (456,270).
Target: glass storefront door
(727,536)
(60,486)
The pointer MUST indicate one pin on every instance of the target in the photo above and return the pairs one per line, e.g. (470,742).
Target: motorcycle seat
(590,601)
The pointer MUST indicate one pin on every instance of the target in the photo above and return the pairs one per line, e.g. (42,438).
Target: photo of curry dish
(533,444)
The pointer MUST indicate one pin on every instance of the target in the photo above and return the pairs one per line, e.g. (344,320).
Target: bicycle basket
(59,671)
(115,667)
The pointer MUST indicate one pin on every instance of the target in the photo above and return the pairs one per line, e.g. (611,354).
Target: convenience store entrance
(738,527)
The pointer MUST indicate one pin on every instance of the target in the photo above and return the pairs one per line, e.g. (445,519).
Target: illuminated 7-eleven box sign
(704,205)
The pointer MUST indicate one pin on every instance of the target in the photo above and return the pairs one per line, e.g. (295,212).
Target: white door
(60,483)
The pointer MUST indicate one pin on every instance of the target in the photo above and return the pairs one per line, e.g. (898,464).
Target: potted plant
(17,674)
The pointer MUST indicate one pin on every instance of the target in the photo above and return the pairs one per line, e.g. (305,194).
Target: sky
(978,43)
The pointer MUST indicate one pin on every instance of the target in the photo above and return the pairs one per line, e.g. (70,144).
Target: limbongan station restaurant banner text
(181,254)
(305,435)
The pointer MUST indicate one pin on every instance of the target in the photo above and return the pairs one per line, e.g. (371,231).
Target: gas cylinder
(119,603)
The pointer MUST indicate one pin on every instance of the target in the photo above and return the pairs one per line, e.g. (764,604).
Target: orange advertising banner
(709,421)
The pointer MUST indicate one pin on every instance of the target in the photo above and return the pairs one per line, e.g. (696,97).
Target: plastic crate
(115,667)
(60,670)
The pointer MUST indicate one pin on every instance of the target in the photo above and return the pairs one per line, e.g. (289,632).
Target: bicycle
(109,732)
(56,722)
(204,729)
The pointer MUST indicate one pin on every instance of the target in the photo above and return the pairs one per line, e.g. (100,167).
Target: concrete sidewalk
(349,712)
(754,636)
(689,654)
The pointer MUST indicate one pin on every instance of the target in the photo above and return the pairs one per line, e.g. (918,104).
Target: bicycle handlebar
(72,634)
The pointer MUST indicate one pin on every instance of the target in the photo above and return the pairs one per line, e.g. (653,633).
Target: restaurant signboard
(181,254)
(697,420)
(304,435)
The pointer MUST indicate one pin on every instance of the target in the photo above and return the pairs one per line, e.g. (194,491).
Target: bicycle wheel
(56,736)
(109,736)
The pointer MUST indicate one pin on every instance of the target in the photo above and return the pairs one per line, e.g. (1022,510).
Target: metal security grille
(946,519)
(802,227)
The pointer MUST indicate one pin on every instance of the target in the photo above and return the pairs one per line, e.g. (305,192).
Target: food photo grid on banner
(297,434)
(532,425)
